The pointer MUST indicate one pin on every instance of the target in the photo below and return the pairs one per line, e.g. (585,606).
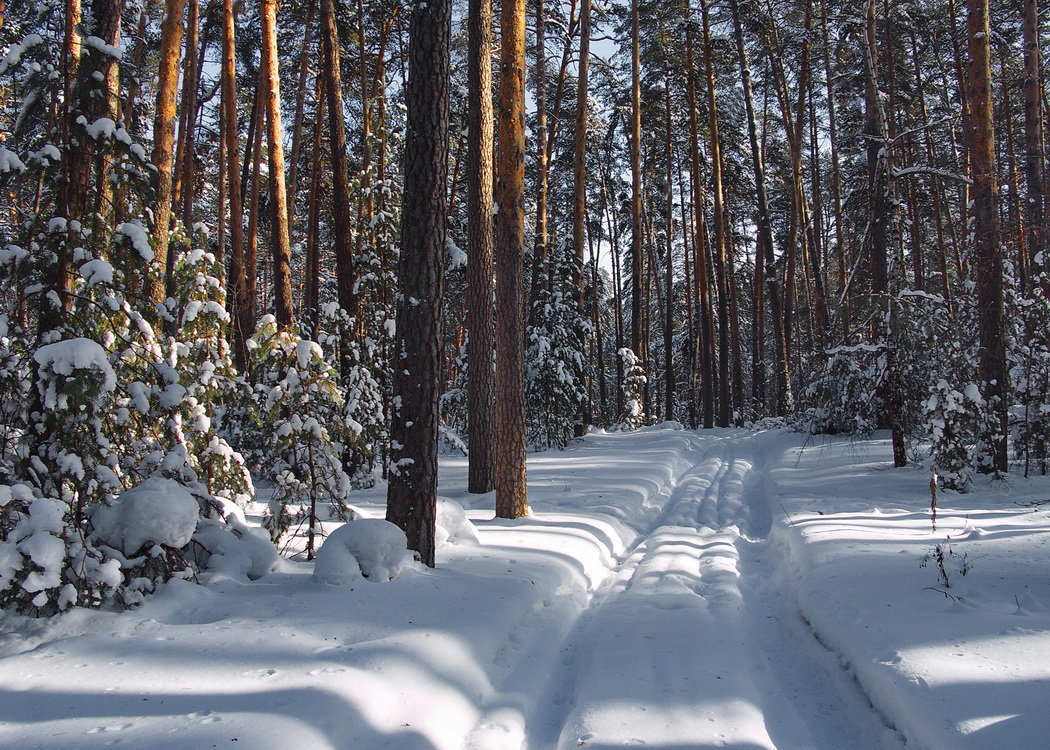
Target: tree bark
(481,374)
(987,255)
(412,490)
(231,143)
(280,239)
(1035,225)
(511,488)
(639,321)
(164,141)
(346,271)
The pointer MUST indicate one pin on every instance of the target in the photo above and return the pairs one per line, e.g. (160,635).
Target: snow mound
(452,524)
(158,511)
(234,549)
(368,547)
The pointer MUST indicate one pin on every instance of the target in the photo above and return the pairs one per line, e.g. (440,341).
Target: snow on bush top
(65,357)
(452,524)
(368,547)
(158,511)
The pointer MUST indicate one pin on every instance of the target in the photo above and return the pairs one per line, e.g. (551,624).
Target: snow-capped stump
(158,511)
(452,524)
(368,547)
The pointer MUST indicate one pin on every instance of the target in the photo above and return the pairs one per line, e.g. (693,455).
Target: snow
(367,547)
(139,238)
(158,511)
(9,161)
(676,589)
(66,357)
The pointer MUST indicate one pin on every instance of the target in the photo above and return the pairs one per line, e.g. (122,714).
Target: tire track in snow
(690,645)
(543,644)
(655,659)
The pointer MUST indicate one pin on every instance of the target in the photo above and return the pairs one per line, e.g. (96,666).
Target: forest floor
(671,589)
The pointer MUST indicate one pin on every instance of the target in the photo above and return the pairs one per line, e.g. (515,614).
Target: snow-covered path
(671,589)
(683,641)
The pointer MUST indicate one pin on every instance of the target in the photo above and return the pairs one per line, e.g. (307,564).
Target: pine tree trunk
(480,282)
(782,396)
(987,255)
(880,224)
(312,294)
(1035,199)
(511,488)
(539,245)
(299,119)
(705,346)
(412,490)
(639,322)
(231,150)
(346,271)
(280,238)
(164,142)
(579,180)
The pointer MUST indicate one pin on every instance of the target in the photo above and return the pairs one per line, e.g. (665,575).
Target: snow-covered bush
(366,548)
(841,396)
(361,364)
(633,379)
(46,564)
(304,428)
(1029,360)
(952,418)
(556,370)
(229,547)
(452,524)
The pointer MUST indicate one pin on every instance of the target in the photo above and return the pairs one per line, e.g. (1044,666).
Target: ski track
(688,635)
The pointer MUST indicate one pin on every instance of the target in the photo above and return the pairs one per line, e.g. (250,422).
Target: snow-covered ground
(671,589)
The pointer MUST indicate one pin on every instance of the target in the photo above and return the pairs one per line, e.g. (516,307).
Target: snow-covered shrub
(304,426)
(841,396)
(72,456)
(452,524)
(46,564)
(368,547)
(633,379)
(1029,361)
(952,417)
(145,528)
(555,370)
(361,363)
(229,547)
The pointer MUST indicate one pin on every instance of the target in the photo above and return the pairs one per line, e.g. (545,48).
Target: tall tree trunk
(481,374)
(765,248)
(706,335)
(182,180)
(669,374)
(639,321)
(719,221)
(511,488)
(299,121)
(346,272)
(164,141)
(280,239)
(312,295)
(539,245)
(880,226)
(987,255)
(412,490)
(107,15)
(231,148)
(1035,224)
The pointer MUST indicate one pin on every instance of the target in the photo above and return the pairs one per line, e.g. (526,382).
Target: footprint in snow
(109,728)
